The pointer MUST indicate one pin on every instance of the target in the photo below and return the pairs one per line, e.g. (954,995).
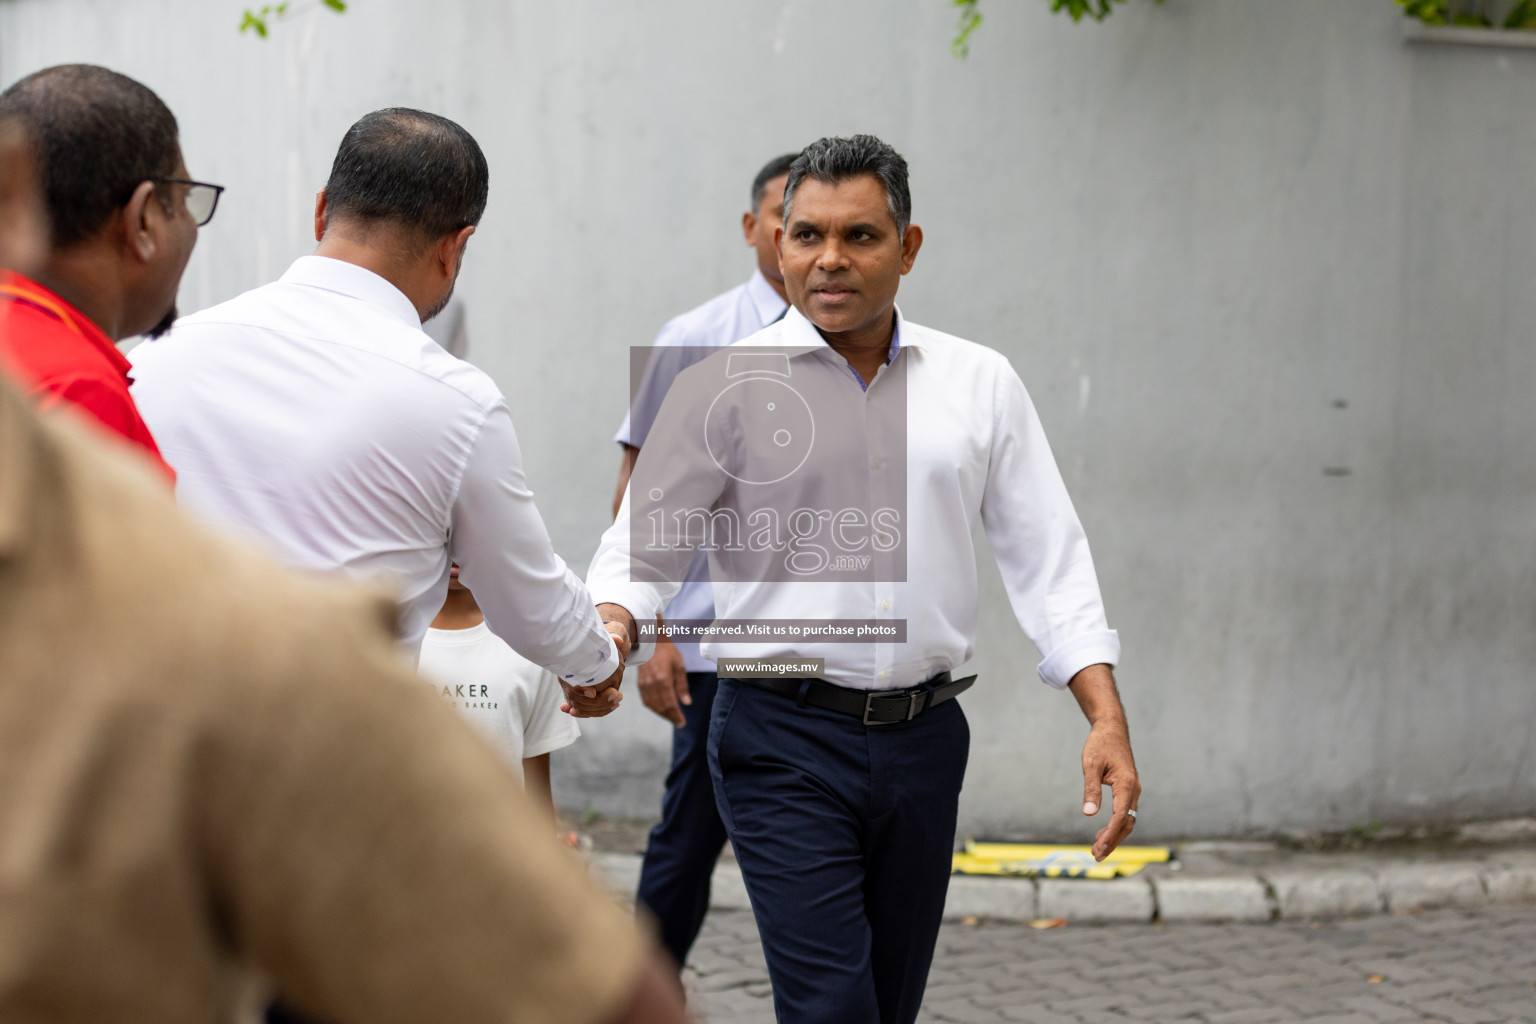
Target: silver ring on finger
(1132,813)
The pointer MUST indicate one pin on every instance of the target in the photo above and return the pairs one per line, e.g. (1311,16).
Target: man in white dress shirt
(833,466)
(678,682)
(315,416)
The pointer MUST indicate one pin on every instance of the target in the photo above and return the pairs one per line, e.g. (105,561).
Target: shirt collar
(799,331)
(353,281)
(764,299)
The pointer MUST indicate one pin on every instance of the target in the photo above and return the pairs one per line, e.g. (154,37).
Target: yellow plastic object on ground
(1030,860)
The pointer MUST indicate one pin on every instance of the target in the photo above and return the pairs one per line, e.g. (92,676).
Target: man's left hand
(1107,758)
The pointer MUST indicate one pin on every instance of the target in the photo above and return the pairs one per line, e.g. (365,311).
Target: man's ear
(910,243)
(320,214)
(450,252)
(749,228)
(143,222)
(778,241)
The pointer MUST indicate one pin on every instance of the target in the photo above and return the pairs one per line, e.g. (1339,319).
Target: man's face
(841,255)
(175,233)
(761,227)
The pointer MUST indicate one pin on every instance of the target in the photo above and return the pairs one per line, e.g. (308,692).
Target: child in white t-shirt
(514,702)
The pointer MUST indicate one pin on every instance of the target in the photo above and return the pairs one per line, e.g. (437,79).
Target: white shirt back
(315,417)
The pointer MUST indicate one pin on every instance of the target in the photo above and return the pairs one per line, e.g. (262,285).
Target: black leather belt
(872,707)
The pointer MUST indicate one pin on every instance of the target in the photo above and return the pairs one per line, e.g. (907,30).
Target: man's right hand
(664,682)
(600,699)
(593,701)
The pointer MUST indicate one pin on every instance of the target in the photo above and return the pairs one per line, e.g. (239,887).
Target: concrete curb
(1212,898)
(1305,887)
(1340,892)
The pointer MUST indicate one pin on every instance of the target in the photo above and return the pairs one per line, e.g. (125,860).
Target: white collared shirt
(315,417)
(975,452)
(728,317)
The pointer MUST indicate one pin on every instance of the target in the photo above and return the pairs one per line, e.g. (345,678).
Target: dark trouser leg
(844,834)
(793,790)
(684,845)
(917,773)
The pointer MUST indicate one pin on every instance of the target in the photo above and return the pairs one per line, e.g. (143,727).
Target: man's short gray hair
(834,160)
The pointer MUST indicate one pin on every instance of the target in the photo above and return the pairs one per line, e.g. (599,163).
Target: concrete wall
(1267,270)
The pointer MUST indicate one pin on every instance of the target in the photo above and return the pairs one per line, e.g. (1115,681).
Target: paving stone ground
(1448,966)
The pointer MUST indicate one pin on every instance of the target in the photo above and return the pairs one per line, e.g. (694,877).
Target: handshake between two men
(599,699)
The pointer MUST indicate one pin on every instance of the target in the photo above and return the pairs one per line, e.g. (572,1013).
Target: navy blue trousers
(844,833)
(684,845)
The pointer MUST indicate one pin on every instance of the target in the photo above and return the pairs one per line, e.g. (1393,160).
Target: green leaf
(259,19)
(1075,8)
(1445,12)
(253,22)
(1430,12)
(1523,15)
(1096,10)
(969,21)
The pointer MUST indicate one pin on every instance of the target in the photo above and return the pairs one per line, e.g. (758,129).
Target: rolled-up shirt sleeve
(529,597)
(1039,543)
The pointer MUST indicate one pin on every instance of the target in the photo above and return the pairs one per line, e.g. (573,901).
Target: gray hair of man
(835,160)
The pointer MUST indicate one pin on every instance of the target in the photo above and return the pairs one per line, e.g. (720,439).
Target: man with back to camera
(223,716)
(839,790)
(123,216)
(317,417)
(678,682)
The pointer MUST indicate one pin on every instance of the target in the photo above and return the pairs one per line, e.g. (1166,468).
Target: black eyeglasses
(202,198)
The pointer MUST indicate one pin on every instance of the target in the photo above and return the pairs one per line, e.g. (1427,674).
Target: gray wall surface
(1268,271)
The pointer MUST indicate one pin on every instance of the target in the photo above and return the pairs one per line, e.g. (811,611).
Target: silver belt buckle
(913,700)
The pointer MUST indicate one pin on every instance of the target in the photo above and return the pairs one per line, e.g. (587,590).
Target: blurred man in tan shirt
(210,767)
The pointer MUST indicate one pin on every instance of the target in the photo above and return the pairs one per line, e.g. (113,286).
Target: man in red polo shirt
(123,218)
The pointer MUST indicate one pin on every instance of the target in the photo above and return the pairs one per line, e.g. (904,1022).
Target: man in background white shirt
(315,416)
(678,682)
(834,466)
